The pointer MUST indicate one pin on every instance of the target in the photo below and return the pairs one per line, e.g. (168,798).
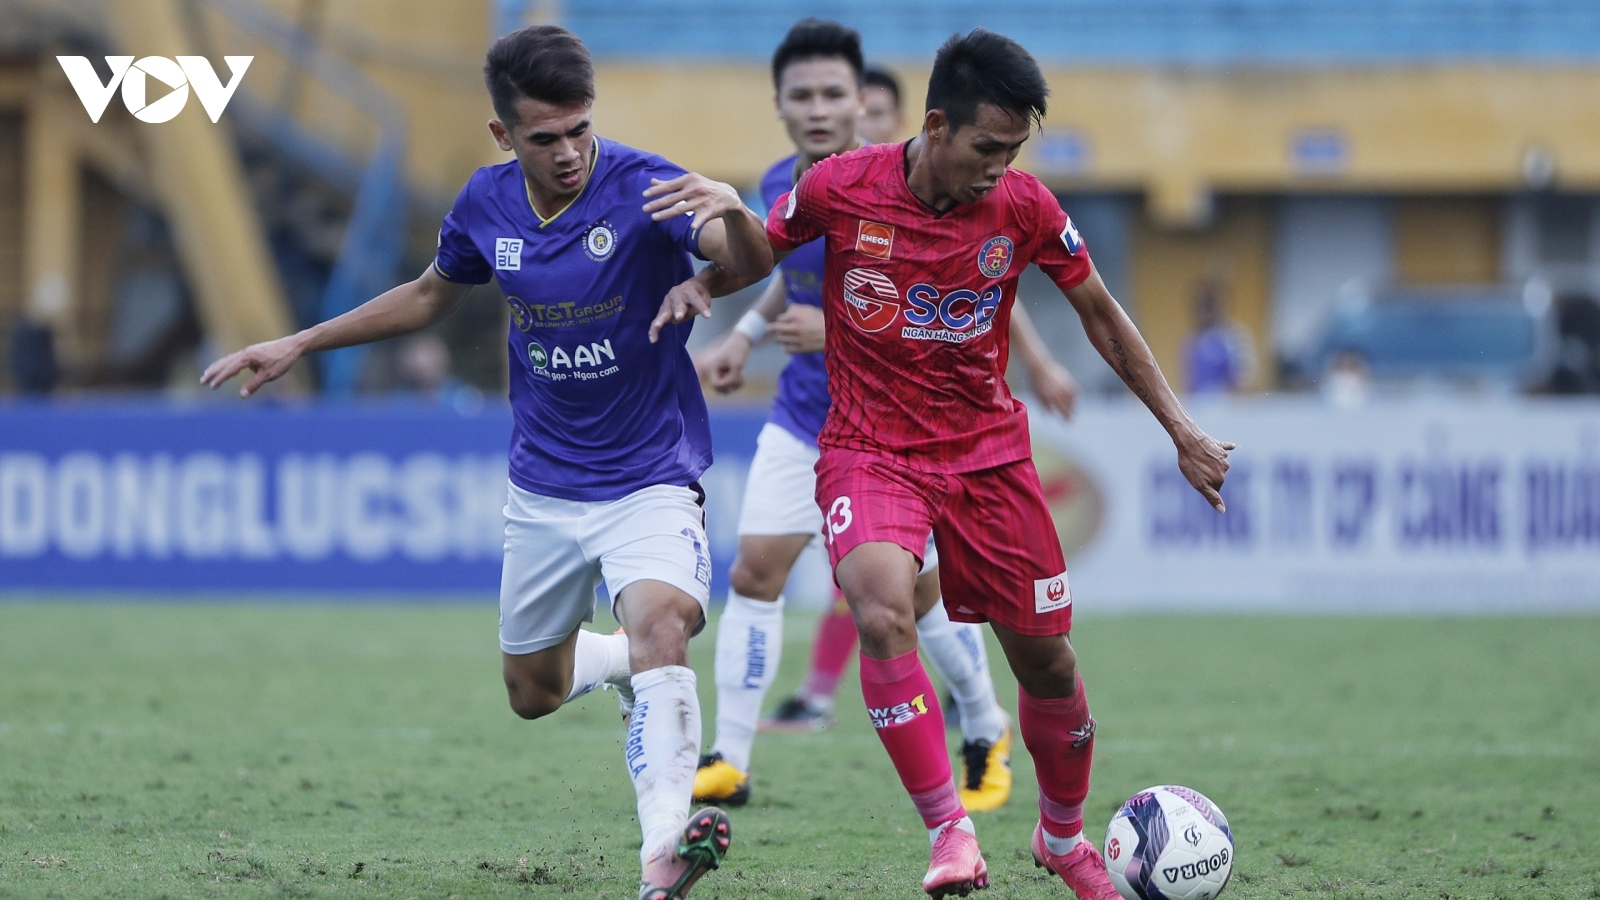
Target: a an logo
(875,240)
(133,77)
(1070,237)
(600,241)
(899,714)
(1051,594)
(994,260)
(1193,835)
(871,298)
(537,356)
(839,517)
(1113,849)
(508,254)
(585,362)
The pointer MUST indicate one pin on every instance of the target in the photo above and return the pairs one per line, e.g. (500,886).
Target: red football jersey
(918,306)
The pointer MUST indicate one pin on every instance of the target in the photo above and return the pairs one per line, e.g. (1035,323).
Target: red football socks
(905,712)
(1059,735)
(831,651)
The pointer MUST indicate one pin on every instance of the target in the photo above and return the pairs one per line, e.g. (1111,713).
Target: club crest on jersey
(1051,594)
(600,241)
(1070,237)
(872,300)
(875,239)
(994,260)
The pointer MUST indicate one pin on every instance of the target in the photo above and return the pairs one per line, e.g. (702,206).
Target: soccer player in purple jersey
(585,236)
(818,77)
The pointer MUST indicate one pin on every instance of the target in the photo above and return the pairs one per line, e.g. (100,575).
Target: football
(1169,843)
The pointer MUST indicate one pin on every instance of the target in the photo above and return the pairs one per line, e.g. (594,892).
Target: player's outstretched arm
(1202,458)
(730,235)
(1054,385)
(399,310)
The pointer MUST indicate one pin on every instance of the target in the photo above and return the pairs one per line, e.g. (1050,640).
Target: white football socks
(957,653)
(1061,846)
(596,660)
(661,751)
(749,643)
(964,823)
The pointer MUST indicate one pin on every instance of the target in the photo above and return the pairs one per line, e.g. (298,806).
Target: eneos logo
(875,240)
(871,298)
(994,260)
(133,77)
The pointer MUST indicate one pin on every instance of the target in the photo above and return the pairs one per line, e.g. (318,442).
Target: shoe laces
(976,756)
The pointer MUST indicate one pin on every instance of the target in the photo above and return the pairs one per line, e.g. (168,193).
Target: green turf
(309,751)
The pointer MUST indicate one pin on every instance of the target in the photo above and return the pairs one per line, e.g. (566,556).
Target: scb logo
(957,310)
(134,77)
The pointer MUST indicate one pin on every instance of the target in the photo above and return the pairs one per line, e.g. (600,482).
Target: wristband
(752,325)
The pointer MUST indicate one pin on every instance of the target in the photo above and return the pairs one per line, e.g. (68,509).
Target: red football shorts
(999,559)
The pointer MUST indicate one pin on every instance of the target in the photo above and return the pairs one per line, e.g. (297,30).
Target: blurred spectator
(881,116)
(422,367)
(1218,357)
(33,358)
(1348,381)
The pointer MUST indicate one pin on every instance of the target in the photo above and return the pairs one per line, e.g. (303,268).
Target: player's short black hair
(544,62)
(984,67)
(878,76)
(818,39)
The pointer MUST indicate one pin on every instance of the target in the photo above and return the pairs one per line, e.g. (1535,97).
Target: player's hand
(722,364)
(1055,387)
(686,300)
(800,329)
(1204,461)
(267,362)
(691,194)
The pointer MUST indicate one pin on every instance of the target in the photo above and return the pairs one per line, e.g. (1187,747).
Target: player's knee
(753,581)
(532,701)
(885,629)
(1050,676)
(663,641)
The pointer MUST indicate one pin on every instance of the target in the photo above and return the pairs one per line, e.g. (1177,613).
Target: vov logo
(134,77)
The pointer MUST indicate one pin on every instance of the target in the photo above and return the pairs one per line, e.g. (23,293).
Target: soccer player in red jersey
(925,242)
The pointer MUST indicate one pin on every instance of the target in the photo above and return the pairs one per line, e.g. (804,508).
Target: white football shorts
(780,493)
(558,552)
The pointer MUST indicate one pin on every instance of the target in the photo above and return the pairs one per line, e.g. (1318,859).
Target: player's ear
(502,136)
(935,125)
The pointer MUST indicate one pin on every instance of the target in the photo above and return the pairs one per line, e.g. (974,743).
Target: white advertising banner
(1421,506)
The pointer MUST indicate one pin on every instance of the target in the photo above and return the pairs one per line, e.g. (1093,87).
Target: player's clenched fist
(1204,461)
(723,364)
(800,329)
(691,194)
(267,361)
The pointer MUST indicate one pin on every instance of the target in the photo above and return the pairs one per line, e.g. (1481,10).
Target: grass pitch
(309,751)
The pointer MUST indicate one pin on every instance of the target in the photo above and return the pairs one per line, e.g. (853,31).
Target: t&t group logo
(134,77)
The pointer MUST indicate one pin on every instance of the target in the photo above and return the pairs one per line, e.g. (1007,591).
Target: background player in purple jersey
(818,76)
(585,236)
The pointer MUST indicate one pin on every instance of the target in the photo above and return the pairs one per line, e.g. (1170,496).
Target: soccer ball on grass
(1169,843)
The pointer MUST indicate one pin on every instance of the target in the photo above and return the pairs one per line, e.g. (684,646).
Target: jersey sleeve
(680,231)
(458,258)
(1061,252)
(801,216)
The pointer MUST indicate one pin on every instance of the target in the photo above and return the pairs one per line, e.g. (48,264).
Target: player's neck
(920,178)
(804,161)
(545,204)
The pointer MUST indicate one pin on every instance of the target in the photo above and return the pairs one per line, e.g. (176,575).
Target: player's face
(554,145)
(820,103)
(970,161)
(881,121)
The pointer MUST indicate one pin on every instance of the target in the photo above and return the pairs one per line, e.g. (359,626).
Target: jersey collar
(594,160)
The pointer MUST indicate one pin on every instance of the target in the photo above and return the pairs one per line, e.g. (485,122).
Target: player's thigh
(780,489)
(655,534)
(999,558)
(764,561)
(925,596)
(547,583)
(878,579)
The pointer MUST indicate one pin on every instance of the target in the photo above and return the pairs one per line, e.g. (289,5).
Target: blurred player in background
(817,75)
(925,242)
(811,707)
(611,434)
